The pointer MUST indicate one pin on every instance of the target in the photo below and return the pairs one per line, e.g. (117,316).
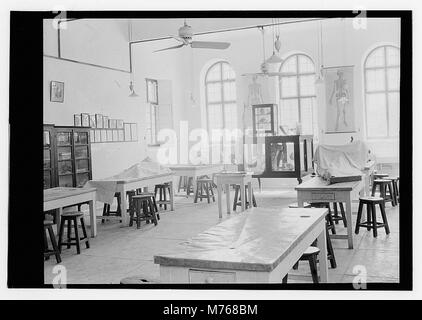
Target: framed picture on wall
(109,135)
(105,122)
(121,135)
(98,136)
(85,119)
(134,131)
(92,122)
(127,132)
(119,124)
(56,91)
(115,136)
(99,120)
(91,136)
(103,135)
(112,123)
(77,120)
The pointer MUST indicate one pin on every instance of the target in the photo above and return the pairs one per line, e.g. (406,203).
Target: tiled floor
(118,252)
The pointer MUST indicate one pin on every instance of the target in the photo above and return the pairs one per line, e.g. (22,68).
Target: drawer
(323,196)
(207,276)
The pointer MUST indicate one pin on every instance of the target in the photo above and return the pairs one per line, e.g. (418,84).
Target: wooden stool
(336,217)
(163,200)
(383,185)
(47,252)
(237,197)
(185,183)
(137,280)
(380,175)
(143,209)
(396,182)
(68,218)
(309,255)
(371,217)
(204,190)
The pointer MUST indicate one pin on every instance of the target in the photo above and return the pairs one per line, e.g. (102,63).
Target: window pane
(393,113)
(375,80)
(230,116)
(306,112)
(228,72)
(214,92)
(289,113)
(288,87)
(376,58)
(215,116)
(289,65)
(393,78)
(393,56)
(230,91)
(305,64)
(214,73)
(376,115)
(307,85)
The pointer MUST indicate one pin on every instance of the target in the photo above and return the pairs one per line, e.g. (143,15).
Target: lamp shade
(274,59)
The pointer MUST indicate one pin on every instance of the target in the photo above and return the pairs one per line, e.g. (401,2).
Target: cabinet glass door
(48,160)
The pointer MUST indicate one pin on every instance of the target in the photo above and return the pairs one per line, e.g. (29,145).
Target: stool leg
(69,232)
(313,266)
(253,199)
(343,214)
(84,232)
(54,244)
(155,208)
(161,197)
(198,187)
(285,278)
(236,195)
(207,188)
(296,265)
(384,218)
(119,207)
(359,217)
(374,220)
(78,244)
(335,212)
(152,211)
(61,234)
(45,244)
(368,216)
(330,251)
(374,188)
(212,191)
(390,190)
(329,219)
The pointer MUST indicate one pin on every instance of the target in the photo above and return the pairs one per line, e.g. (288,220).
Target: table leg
(170,183)
(250,194)
(59,212)
(124,207)
(219,194)
(322,245)
(194,182)
(349,221)
(228,197)
(242,192)
(93,217)
(299,201)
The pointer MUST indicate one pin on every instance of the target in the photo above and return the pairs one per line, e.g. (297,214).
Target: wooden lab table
(318,190)
(195,171)
(224,180)
(257,246)
(128,184)
(57,198)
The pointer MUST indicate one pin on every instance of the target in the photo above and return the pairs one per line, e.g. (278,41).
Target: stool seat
(48,223)
(384,185)
(380,175)
(138,280)
(371,199)
(72,214)
(295,205)
(311,250)
(143,196)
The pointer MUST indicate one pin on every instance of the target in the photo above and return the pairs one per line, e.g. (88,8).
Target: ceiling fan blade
(209,45)
(174,47)
(179,39)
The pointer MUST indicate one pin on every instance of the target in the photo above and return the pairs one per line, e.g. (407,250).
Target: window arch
(220,96)
(382,92)
(297,93)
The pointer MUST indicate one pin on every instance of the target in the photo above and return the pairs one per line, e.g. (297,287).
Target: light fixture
(276,45)
(320,75)
(131,86)
(132,90)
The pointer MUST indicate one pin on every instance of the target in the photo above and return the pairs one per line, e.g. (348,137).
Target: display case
(288,157)
(264,118)
(67,157)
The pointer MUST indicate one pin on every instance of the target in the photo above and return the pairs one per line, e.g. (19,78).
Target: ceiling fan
(185,37)
(265,64)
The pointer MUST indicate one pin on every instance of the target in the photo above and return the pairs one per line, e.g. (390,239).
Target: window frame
(298,96)
(386,90)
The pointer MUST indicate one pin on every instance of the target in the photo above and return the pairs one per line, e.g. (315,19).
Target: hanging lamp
(131,83)
(276,45)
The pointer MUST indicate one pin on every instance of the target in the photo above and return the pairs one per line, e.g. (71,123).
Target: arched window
(220,96)
(297,93)
(382,92)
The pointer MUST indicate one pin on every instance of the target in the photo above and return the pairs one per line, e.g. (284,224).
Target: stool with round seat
(163,189)
(186,184)
(383,185)
(48,227)
(142,209)
(396,182)
(204,190)
(237,197)
(371,218)
(67,219)
(310,255)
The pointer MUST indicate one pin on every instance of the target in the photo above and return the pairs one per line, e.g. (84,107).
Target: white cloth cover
(107,187)
(341,160)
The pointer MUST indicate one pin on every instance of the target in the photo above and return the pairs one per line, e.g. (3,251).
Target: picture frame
(56,91)
(99,120)
(105,122)
(152,91)
(127,132)
(119,124)
(134,131)
(112,123)
(103,135)
(121,135)
(91,136)
(92,122)
(115,136)
(85,119)
(77,120)
(109,135)
(98,136)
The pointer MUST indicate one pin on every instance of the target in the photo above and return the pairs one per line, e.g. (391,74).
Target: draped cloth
(107,187)
(341,160)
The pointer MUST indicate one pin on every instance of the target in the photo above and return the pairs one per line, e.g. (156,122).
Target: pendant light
(276,45)
(131,83)
(320,75)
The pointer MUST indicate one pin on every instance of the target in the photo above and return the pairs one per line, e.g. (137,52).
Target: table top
(255,240)
(318,184)
(194,166)
(128,180)
(63,192)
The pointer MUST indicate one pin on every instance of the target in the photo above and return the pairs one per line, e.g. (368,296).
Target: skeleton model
(255,92)
(342,97)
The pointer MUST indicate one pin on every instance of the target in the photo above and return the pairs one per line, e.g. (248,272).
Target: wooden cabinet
(67,157)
